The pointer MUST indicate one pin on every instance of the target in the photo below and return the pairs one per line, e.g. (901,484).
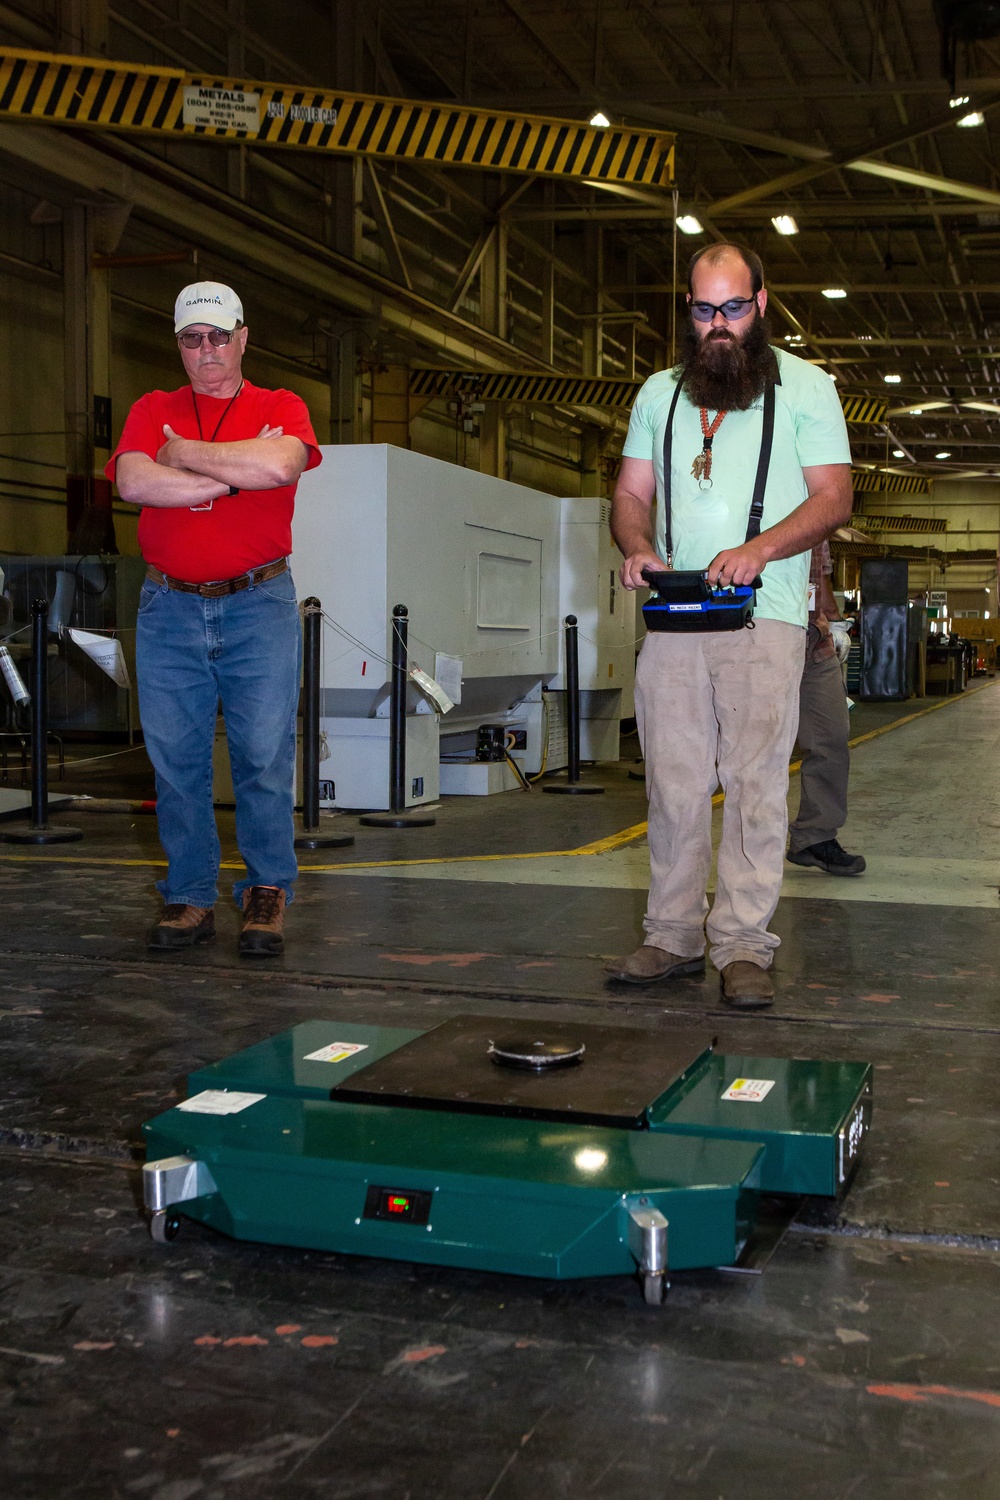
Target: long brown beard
(725,373)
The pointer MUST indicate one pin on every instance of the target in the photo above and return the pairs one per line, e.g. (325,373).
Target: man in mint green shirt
(721,708)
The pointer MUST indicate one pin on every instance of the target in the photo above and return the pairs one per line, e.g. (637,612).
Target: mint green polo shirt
(809,428)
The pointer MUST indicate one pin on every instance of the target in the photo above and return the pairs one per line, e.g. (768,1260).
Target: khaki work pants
(718,709)
(823,733)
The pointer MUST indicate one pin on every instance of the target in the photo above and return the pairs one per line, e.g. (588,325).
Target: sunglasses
(732,311)
(217,337)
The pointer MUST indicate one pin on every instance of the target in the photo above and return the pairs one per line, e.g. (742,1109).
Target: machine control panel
(398,1205)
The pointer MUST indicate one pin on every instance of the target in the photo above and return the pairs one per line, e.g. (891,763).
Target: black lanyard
(763,464)
(218,425)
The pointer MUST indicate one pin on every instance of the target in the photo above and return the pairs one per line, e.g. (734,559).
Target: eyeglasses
(732,310)
(217,337)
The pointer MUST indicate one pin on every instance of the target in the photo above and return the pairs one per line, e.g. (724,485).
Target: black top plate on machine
(614,1080)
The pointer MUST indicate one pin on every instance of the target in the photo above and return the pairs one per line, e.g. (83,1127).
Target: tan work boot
(746,986)
(182,926)
(647,964)
(263,922)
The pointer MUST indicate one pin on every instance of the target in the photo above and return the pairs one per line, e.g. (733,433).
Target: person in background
(823,733)
(213,466)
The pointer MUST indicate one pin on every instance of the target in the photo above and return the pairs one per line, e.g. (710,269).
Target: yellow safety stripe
(525,385)
(869,522)
(570,390)
(894,484)
(94,92)
(863,409)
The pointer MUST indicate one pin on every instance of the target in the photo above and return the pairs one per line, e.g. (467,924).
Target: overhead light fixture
(917,411)
(785,224)
(688,224)
(892,379)
(969,121)
(898,453)
(601,121)
(831,374)
(958,101)
(835,293)
(942,455)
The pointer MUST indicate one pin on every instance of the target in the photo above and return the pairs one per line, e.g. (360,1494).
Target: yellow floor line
(598,846)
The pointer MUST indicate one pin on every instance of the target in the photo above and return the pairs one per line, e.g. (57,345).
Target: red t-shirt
(238,532)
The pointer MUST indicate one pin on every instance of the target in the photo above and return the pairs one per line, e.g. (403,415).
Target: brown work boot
(746,986)
(647,964)
(263,922)
(182,926)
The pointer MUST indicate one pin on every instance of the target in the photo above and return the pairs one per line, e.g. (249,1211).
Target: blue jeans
(243,650)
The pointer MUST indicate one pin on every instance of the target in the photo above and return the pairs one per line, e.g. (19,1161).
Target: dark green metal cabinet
(533,1196)
(811,1121)
(524,1196)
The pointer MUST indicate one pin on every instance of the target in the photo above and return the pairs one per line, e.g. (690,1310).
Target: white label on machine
(219,1102)
(222,109)
(750,1090)
(674,607)
(448,674)
(336,1052)
(431,689)
(106,651)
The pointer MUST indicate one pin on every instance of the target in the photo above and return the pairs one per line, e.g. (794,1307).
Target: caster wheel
(654,1289)
(164,1226)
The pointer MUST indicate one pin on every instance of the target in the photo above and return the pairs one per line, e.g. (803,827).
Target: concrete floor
(860,1364)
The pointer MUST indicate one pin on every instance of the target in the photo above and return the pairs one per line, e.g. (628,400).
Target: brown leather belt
(225,585)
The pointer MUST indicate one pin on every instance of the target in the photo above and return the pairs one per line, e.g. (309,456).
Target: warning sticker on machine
(219,1102)
(222,109)
(751,1090)
(336,1052)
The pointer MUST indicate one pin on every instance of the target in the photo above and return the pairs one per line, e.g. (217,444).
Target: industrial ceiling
(835,116)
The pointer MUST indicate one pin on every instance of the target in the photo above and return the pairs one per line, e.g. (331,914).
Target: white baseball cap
(207,302)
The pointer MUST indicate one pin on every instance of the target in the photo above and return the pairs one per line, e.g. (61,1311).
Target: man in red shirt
(214,466)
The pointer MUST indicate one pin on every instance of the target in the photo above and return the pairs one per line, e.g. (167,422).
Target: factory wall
(972,511)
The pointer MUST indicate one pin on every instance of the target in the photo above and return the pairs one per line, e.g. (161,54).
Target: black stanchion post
(573,784)
(39,830)
(397,816)
(311,836)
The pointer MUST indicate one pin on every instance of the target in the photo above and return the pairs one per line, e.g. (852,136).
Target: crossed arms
(187,472)
(827,506)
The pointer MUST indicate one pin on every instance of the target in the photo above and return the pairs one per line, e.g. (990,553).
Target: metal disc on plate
(535,1054)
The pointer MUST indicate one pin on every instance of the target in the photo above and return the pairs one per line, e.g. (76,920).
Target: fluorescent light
(942,455)
(601,121)
(975,118)
(917,411)
(892,379)
(589,1160)
(834,293)
(958,101)
(831,374)
(898,453)
(688,224)
(785,224)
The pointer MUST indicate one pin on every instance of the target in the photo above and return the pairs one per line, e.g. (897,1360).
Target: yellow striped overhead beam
(865,410)
(525,385)
(572,390)
(93,92)
(867,480)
